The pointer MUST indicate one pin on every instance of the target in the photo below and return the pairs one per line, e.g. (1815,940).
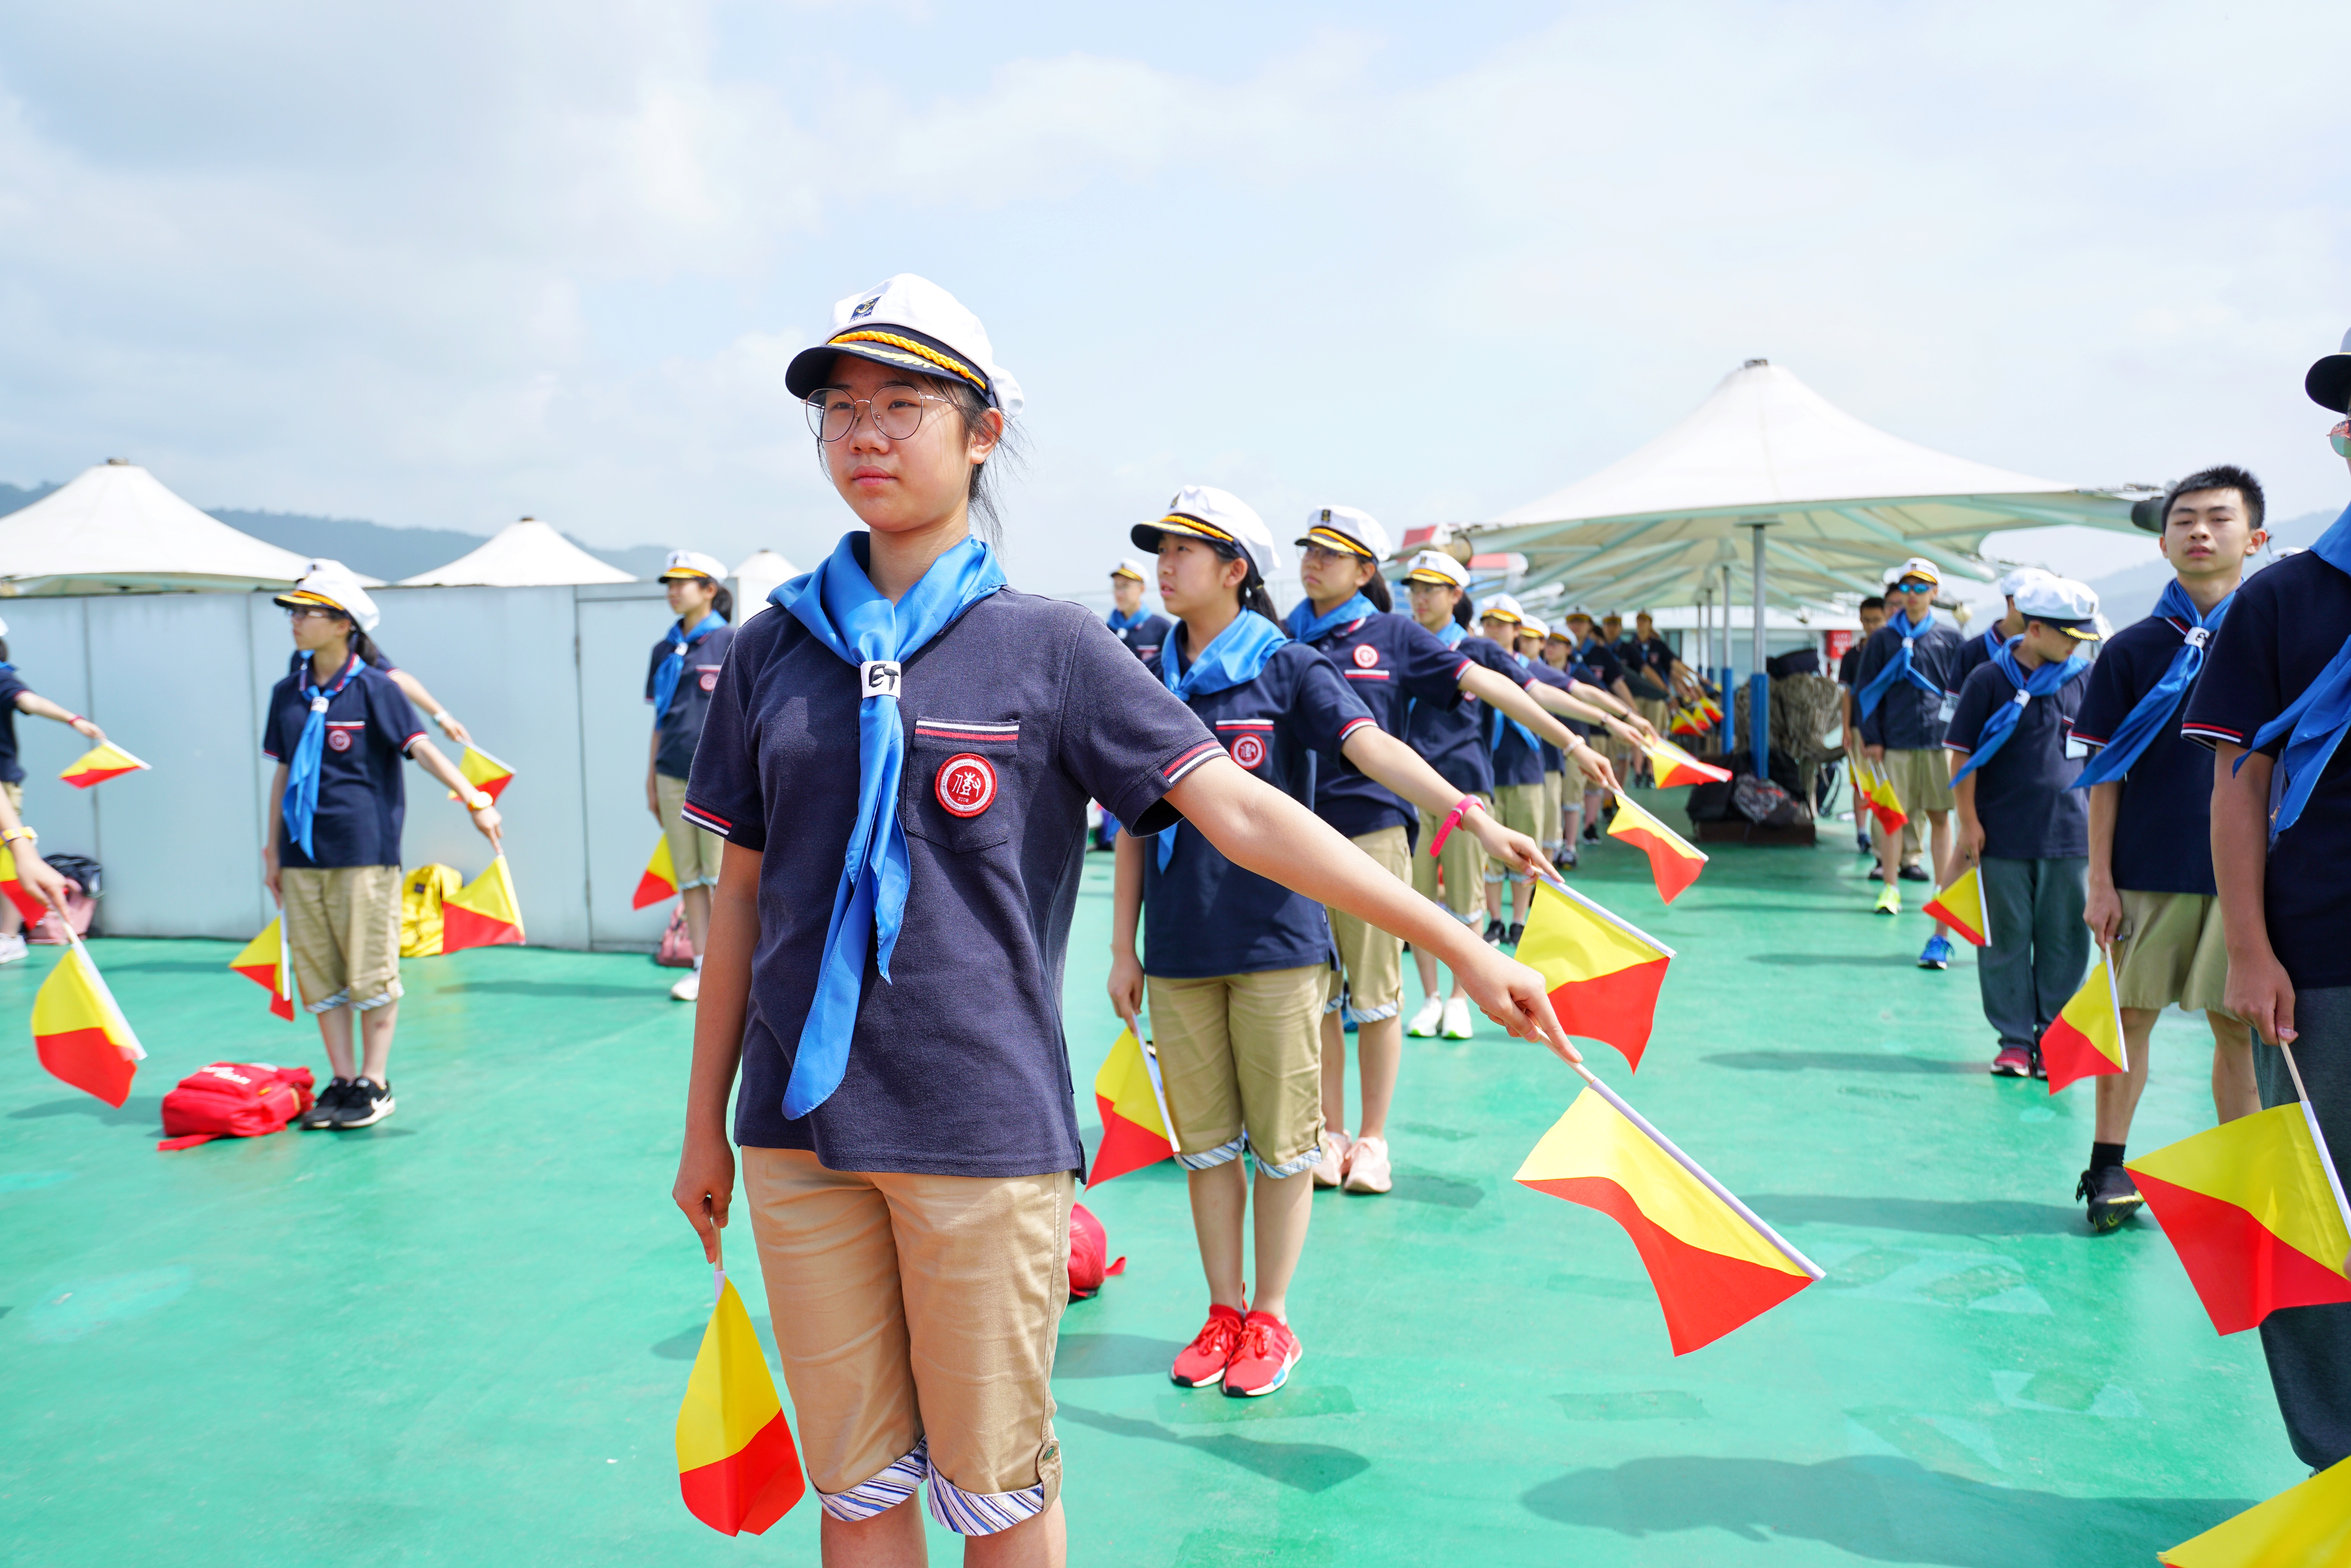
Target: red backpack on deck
(233,1100)
(1090,1262)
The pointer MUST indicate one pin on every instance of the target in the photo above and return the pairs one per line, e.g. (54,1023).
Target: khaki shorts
(1553,801)
(916,1317)
(2169,949)
(1921,780)
(1370,962)
(1658,712)
(1517,807)
(1242,1058)
(693,852)
(1463,863)
(343,924)
(16,799)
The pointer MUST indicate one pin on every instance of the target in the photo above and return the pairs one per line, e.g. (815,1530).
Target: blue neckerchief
(1995,641)
(838,603)
(1234,657)
(1496,718)
(1120,620)
(665,676)
(2001,722)
(6,668)
(2152,714)
(1899,667)
(2318,718)
(300,807)
(1303,624)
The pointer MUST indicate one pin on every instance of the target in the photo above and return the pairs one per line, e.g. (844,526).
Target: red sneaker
(2014,1061)
(1262,1361)
(1204,1361)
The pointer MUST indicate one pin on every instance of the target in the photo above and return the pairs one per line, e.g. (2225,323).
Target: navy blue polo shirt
(1553,760)
(2288,621)
(958,1066)
(1907,719)
(1659,656)
(1452,739)
(1976,648)
(1392,664)
(11,770)
(1599,658)
(362,796)
(1205,916)
(689,707)
(1515,761)
(1846,665)
(2163,825)
(1146,636)
(2024,797)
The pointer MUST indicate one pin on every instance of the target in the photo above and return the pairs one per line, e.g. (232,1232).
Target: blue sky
(442,264)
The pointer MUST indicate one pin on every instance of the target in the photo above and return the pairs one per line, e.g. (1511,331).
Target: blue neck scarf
(2152,714)
(1234,657)
(300,807)
(2002,721)
(665,678)
(1496,718)
(1303,624)
(2315,722)
(1120,620)
(838,603)
(1899,667)
(1453,633)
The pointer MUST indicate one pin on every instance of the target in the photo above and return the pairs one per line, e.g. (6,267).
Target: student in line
(37,875)
(1142,631)
(339,730)
(1533,632)
(1568,835)
(16,698)
(1663,666)
(1906,694)
(1598,660)
(908,1147)
(2021,823)
(1392,664)
(1239,965)
(423,701)
(1979,649)
(2270,703)
(1873,616)
(679,680)
(2152,895)
(1517,784)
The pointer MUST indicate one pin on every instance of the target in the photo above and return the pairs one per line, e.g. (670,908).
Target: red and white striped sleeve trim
(406,745)
(1191,759)
(1353,724)
(709,820)
(2209,732)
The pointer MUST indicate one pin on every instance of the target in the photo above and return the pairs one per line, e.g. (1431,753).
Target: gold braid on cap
(917,350)
(1332,536)
(1194,525)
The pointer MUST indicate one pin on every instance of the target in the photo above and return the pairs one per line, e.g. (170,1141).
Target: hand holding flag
(1674,863)
(1137,1129)
(736,1466)
(36,899)
(1876,792)
(101,762)
(1603,973)
(483,772)
(2086,1039)
(1674,766)
(1961,907)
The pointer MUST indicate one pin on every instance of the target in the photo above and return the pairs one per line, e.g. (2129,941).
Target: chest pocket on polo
(960,781)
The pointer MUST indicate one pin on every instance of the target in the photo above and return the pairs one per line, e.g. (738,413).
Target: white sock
(697,962)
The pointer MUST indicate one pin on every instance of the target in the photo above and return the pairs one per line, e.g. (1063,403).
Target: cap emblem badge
(864,309)
(967,784)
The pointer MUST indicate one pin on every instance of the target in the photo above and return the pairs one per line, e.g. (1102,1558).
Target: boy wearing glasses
(1905,689)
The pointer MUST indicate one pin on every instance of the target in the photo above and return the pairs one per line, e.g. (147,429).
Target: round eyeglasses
(896,411)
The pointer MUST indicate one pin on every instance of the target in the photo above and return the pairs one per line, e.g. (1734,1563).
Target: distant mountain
(2130,595)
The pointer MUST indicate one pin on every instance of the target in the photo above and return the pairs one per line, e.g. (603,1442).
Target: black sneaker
(1590,833)
(1914,873)
(1510,938)
(365,1103)
(2113,1195)
(329,1101)
(1495,931)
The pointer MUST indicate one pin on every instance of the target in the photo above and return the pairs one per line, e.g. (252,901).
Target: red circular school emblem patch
(1365,656)
(1249,750)
(710,682)
(967,784)
(340,739)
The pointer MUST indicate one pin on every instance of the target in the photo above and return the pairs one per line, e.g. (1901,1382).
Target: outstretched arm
(1526,705)
(706,1165)
(486,815)
(42,707)
(426,704)
(31,870)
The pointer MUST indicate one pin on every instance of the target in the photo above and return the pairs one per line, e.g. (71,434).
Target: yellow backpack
(421,893)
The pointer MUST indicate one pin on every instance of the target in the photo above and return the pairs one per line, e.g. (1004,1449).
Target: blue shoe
(1938,955)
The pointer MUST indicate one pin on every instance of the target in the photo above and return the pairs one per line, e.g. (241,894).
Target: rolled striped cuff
(982,1513)
(1223,1154)
(883,1492)
(1372,1015)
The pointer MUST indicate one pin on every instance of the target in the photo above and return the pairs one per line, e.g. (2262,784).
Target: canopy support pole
(1724,683)
(1759,683)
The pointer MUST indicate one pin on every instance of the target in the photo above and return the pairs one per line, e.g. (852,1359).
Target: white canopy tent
(525,554)
(116,529)
(756,578)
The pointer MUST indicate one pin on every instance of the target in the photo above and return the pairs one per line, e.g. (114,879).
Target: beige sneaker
(688,988)
(1329,1168)
(1367,1167)
(1457,1019)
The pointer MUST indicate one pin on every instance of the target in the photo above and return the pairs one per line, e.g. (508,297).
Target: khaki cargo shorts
(693,852)
(343,925)
(1517,807)
(2169,949)
(1463,864)
(1921,780)
(1370,962)
(1241,1058)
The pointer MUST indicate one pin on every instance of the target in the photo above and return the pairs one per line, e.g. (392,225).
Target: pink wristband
(1452,821)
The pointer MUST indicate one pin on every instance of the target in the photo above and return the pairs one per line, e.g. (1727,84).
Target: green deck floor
(461,1337)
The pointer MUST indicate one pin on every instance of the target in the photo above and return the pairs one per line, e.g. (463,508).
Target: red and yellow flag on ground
(1960,906)
(82,1037)
(484,913)
(1876,792)
(1674,863)
(1674,766)
(28,903)
(268,962)
(483,772)
(1713,1263)
(2255,1212)
(1134,1112)
(660,878)
(736,1467)
(2087,1038)
(99,764)
(2301,1527)
(1604,973)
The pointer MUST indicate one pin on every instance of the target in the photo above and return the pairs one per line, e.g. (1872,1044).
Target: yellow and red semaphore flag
(736,1467)
(28,903)
(82,1036)
(1602,972)
(1713,1263)
(1690,720)
(1960,906)
(1135,1131)
(99,764)
(483,772)
(1674,766)
(2086,1039)
(268,962)
(484,913)
(1674,863)
(1876,792)
(2302,1525)
(660,878)
(2255,1210)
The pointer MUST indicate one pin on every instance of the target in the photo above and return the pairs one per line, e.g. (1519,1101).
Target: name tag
(1949,706)
(877,678)
(2076,749)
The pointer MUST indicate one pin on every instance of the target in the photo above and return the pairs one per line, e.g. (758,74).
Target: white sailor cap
(1349,531)
(2018,578)
(1501,607)
(1533,626)
(912,323)
(1130,567)
(332,584)
(2070,607)
(1917,566)
(1436,566)
(685,563)
(1205,512)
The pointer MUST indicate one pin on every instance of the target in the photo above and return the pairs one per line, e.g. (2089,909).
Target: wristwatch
(12,834)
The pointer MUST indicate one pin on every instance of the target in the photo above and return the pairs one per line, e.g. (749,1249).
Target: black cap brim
(932,358)
(2329,382)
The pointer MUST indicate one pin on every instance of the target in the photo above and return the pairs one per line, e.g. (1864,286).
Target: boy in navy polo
(2020,823)
(1905,689)
(1873,616)
(2272,689)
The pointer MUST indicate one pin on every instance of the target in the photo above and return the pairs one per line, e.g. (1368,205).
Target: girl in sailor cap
(899,761)
(679,681)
